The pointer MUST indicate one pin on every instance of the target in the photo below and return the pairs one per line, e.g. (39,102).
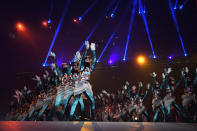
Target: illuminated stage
(96,126)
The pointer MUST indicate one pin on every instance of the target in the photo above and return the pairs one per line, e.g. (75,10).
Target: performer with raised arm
(134,95)
(189,97)
(169,99)
(141,109)
(87,65)
(157,100)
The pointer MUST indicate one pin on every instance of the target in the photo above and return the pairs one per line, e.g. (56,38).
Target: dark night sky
(22,55)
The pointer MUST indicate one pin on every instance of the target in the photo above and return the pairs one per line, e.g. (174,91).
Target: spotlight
(43,65)
(97,61)
(112,15)
(75,20)
(141,59)
(136,118)
(80,18)
(20,26)
(185,54)
(154,57)
(181,7)
(49,21)
(124,59)
(45,23)
(110,61)
(170,57)
(175,7)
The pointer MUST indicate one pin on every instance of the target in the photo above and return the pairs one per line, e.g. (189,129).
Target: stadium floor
(95,126)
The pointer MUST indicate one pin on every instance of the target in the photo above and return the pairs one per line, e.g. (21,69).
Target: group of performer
(130,103)
(53,93)
(70,85)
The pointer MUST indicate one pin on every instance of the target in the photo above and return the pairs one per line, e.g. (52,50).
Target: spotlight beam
(147,30)
(185,2)
(106,46)
(144,7)
(57,30)
(130,27)
(112,14)
(122,18)
(97,24)
(51,10)
(175,4)
(93,4)
(177,27)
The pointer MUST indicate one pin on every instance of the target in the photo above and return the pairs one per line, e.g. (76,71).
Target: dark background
(22,57)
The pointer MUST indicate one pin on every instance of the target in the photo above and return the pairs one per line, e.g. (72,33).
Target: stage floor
(95,126)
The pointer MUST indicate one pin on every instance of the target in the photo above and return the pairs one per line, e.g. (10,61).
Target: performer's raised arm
(93,49)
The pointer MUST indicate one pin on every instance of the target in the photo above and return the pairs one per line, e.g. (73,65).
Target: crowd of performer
(58,93)
(130,103)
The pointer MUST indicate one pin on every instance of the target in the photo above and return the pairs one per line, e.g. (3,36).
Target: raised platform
(95,126)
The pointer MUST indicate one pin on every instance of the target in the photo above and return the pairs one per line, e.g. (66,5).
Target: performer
(169,99)
(157,101)
(83,85)
(140,108)
(189,96)
(66,86)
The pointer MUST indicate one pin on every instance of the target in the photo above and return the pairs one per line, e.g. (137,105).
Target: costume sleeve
(162,83)
(154,84)
(185,82)
(179,82)
(81,64)
(146,93)
(94,60)
(195,79)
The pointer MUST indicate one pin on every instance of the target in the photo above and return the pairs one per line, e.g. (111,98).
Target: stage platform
(95,126)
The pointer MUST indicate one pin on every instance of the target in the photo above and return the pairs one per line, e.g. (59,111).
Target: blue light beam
(130,27)
(108,42)
(147,31)
(97,24)
(177,27)
(51,11)
(181,6)
(144,7)
(91,6)
(106,46)
(175,6)
(113,12)
(57,30)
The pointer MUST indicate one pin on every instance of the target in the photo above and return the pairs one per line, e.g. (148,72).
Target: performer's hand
(153,74)
(163,76)
(93,47)
(133,87)
(186,69)
(140,84)
(127,83)
(125,87)
(169,70)
(148,86)
(182,72)
(78,55)
(52,54)
(37,78)
(87,44)
(104,91)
